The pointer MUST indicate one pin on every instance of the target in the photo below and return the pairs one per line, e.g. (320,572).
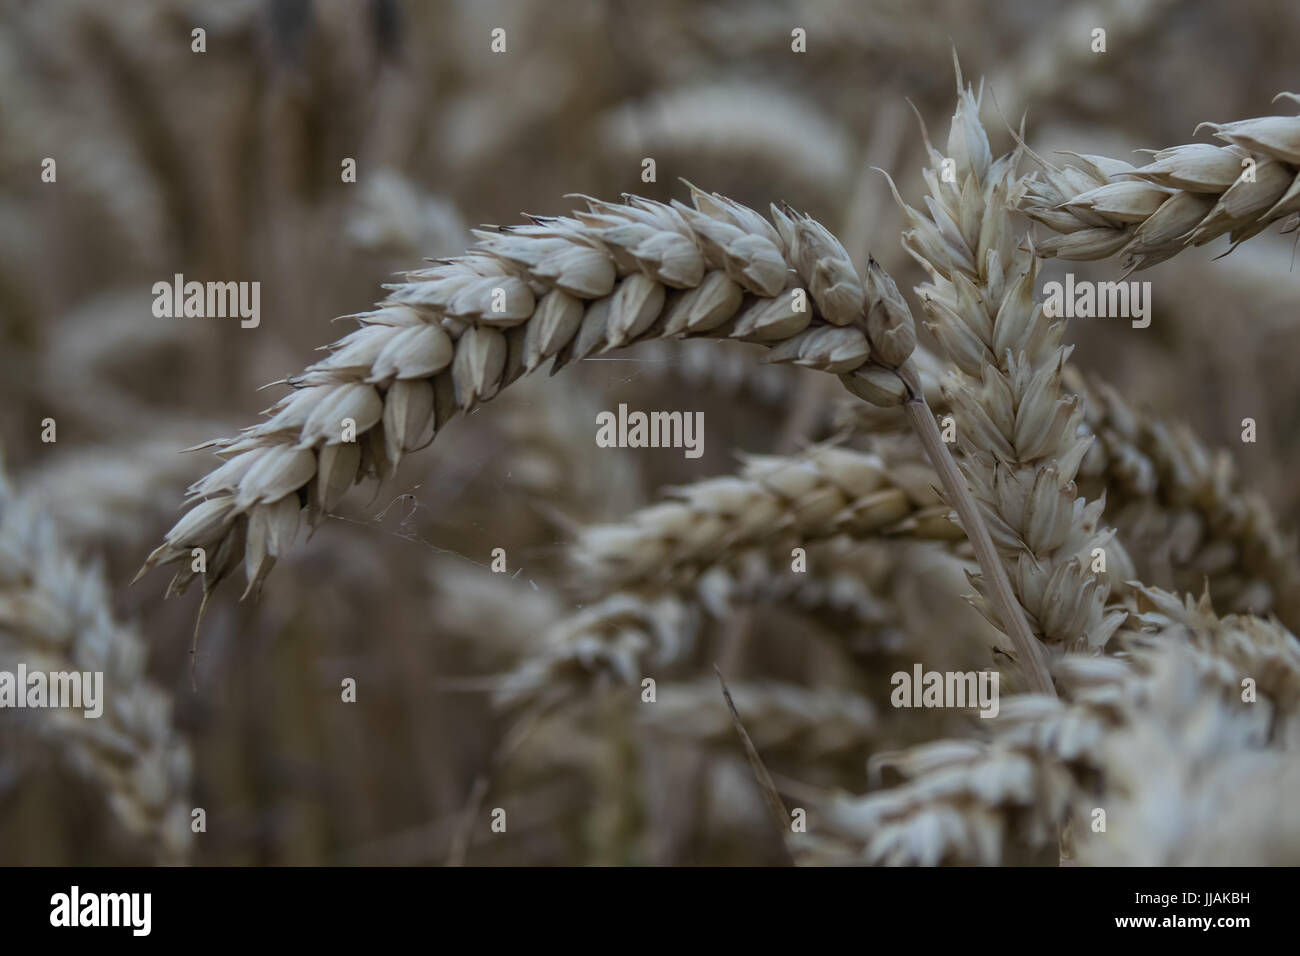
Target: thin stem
(1008,606)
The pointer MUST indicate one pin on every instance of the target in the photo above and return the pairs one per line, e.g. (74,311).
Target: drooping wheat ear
(455,334)
(781,718)
(1018,430)
(1184,511)
(1187,196)
(797,499)
(55,617)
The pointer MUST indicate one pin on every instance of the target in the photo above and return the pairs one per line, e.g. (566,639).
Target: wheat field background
(483,695)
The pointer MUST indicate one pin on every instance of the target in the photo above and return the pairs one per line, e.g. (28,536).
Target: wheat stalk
(1187,196)
(55,616)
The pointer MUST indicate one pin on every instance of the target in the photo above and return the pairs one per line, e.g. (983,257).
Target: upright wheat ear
(1017,428)
(1187,196)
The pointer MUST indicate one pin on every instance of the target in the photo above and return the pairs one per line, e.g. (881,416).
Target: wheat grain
(55,617)
(1187,196)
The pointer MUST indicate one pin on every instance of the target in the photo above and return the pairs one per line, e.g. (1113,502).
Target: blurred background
(225,165)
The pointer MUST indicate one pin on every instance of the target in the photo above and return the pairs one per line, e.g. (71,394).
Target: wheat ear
(1018,431)
(824,492)
(1187,196)
(55,617)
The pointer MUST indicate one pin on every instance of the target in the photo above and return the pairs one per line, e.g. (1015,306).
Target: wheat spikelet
(54,616)
(1187,195)
(562,288)
(1018,431)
